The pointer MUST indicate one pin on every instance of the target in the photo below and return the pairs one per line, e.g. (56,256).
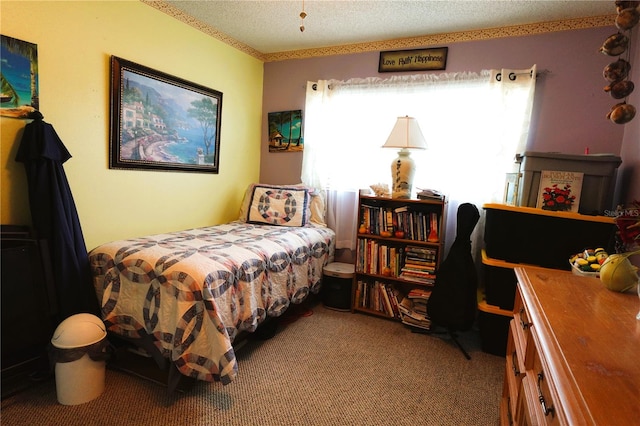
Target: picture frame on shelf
(511,186)
(162,122)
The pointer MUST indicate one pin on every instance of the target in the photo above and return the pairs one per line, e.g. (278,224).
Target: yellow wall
(75,41)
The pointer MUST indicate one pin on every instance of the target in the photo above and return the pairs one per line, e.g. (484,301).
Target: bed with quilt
(189,294)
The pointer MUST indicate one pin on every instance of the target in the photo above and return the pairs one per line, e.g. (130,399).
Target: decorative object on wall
(161,122)
(617,72)
(303,15)
(413,60)
(406,135)
(19,77)
(285,131)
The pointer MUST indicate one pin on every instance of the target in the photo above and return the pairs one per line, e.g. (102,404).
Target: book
(413,309)
(433,228)
(386,301)
(419,293)
(559,190)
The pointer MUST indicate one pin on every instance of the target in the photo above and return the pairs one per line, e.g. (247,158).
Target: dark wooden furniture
(27,309)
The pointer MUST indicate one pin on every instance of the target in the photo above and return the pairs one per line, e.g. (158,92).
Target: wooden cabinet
(572,352)
(400,244)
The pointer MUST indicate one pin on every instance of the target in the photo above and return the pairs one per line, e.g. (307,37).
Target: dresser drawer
(540,380)
(526,414)
(507,404)
(514,370)
(522,329)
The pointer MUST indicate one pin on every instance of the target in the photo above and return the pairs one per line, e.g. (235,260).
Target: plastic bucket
(79,351)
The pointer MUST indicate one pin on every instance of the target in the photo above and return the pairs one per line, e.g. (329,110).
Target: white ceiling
(270,26)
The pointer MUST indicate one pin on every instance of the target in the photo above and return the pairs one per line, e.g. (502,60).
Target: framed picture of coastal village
(161,122)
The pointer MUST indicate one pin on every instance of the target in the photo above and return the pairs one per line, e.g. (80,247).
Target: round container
(81,380)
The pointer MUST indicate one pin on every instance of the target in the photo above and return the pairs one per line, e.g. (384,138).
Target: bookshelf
(399,247)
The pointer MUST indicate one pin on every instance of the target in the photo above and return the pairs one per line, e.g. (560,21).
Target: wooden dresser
(573,354)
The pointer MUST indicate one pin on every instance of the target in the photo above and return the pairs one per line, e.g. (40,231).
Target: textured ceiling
(271,26)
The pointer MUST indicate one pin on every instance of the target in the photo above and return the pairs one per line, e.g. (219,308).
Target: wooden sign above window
(413,60)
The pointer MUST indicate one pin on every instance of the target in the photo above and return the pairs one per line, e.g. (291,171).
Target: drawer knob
(514,364)
(523,324)
(545,409)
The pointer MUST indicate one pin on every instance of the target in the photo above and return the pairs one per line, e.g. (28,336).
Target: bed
(188,295)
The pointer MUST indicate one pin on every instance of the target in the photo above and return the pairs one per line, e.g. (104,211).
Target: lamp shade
(406,134)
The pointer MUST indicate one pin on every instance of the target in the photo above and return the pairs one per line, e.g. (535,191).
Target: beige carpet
(329,368)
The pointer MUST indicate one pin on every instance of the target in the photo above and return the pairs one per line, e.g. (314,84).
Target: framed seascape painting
(285,131)
(161,122)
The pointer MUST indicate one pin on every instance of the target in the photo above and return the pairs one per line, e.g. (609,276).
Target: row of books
(415,224)
(412,263)
(378,258)
(419,265)
(385,298)
(378,296)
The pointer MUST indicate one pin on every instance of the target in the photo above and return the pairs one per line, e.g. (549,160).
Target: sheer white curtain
(474,124)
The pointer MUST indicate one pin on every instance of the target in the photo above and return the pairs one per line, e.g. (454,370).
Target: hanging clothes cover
(55,218)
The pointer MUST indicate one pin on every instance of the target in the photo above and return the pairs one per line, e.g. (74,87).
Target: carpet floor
(322,367)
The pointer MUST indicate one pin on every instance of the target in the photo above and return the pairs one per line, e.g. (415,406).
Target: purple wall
(629,171)
(571,106)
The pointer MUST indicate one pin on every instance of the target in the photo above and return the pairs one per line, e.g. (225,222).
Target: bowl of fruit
(588,262)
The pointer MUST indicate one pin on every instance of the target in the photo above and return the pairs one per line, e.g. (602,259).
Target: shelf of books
(398,251)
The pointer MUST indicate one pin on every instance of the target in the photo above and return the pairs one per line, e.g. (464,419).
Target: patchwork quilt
(193,291)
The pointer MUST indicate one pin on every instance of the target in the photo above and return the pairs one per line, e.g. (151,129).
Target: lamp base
(402,171)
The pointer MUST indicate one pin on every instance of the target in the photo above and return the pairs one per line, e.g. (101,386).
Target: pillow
(317,205)
(282,206)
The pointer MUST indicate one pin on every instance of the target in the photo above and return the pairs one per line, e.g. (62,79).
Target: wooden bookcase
(400,244)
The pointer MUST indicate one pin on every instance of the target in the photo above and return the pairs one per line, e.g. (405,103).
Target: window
(474,124)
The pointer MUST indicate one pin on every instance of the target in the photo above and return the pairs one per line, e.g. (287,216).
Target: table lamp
(406,135)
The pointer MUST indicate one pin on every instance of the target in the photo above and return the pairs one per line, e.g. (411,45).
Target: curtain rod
(540,73)
(513,75)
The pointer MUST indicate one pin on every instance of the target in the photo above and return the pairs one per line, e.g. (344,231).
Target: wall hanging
(413,60)
(161,122)
(19,78)
(285,131)
(617,72)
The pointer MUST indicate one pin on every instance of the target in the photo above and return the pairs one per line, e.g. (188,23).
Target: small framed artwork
(511,183)
(285,131)
(161,122)
(20,97)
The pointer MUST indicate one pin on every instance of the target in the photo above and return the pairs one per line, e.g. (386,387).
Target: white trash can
(79,351)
